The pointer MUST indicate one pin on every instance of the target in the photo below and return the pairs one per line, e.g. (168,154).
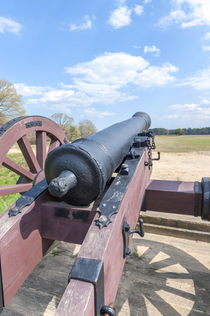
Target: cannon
(77,173)
(88,192)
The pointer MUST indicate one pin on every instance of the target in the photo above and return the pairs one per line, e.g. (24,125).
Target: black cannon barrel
(78,172)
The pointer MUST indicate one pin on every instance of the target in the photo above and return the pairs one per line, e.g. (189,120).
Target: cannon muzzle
(77,172)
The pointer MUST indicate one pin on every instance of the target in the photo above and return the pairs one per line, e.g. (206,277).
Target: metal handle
(140,232)
(158,158)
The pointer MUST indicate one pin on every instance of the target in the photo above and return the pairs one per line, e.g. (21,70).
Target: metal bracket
(91,271)
(197,195)
(111,201)
(206,199)
(126,231)
(28,198)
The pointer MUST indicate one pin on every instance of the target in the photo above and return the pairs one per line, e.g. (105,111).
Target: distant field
(182,144)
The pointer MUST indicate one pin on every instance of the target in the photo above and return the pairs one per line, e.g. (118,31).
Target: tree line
(12,106)
(182,131)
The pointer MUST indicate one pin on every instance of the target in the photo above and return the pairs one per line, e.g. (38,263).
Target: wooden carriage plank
(78,299)
(21,246)
(64,223)
(106,244)
(173,197)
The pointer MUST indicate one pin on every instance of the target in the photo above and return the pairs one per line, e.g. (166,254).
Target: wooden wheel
(19,131)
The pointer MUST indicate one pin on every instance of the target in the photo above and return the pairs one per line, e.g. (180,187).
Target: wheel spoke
(41,148)
(17,188)
(11,165)
(53,144)
(28,154)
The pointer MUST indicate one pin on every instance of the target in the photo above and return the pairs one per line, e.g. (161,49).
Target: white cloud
(207,48)
(147,1)
(86,25)
(106,79)
(139,9)
(188,13)
(99,114)
(116,70)
(207,36)
(199,81)
(190,112)
(156,76)
(205,102)
(152,49)
(120,17)
(185,107)
(9,25)
(27,91)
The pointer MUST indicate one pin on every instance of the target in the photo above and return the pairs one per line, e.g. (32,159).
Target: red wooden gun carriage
(88,192)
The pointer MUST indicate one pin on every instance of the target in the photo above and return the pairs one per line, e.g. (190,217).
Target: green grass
(180,144)
(7,178)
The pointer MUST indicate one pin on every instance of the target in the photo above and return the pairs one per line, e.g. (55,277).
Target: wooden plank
(106,244)
(16,188)
(79,300)
(41,148)
(60,222)
(173,197)
(28,154)
(53,144)
(21,246)
(11,165)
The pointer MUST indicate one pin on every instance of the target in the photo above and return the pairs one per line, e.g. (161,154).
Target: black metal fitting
(124,171)
(112,199)
(197,195)
(206,198)
(28,198)
(91,271)
(126,231)
(108,310)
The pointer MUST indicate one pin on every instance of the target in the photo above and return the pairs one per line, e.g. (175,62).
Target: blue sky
(104,60)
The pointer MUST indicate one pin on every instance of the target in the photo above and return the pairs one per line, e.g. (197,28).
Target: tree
(74,133)
(64,121)
(179,131)
(11,104)
(86,128)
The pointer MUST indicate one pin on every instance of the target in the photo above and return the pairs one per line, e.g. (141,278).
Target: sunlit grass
(7,178)
(185,143)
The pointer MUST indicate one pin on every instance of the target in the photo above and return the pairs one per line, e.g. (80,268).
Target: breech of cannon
(77,172)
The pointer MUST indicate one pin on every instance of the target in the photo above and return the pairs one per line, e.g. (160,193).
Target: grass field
(182,144)
(164,144)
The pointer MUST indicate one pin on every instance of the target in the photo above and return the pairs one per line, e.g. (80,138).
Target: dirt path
(190,166)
